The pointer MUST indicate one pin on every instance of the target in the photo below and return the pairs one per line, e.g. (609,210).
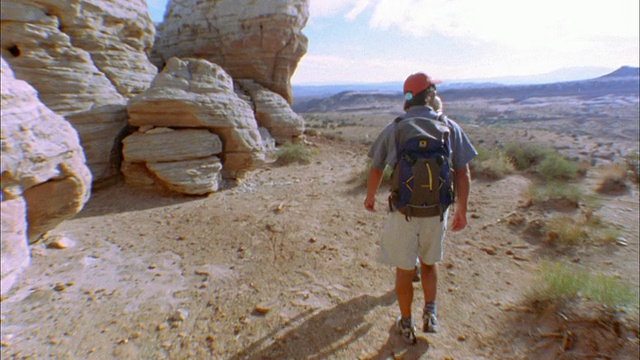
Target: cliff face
(254,39)
(85,58)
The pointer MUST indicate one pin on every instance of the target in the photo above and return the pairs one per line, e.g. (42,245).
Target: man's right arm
(373,183)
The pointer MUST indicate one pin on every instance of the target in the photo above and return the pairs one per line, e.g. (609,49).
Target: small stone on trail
(162,326)
(262,309)
(60,242)
(462,338)
(59,287)
(489,251)
(202,273)
(179,315)
(622,241)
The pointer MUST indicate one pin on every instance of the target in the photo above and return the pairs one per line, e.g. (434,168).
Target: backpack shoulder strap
(396,135)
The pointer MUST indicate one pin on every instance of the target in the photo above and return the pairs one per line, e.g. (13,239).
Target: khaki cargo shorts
(403,241)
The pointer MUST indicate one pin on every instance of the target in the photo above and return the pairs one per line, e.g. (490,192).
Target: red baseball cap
(417,82)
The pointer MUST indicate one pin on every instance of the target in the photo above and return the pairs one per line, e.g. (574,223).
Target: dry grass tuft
(491,165)
(290,153)
(559,282)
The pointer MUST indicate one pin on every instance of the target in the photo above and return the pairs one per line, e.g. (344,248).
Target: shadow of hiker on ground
(395,348)
(325,333)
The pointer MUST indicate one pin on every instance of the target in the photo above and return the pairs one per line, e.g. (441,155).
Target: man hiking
(416,227)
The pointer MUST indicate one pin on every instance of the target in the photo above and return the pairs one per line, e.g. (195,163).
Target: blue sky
(370,41)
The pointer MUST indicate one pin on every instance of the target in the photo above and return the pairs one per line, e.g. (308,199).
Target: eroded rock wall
(85,58)
(253,39)
(44,176)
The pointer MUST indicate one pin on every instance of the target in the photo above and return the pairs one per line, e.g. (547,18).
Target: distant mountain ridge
(301,92)
(623,82)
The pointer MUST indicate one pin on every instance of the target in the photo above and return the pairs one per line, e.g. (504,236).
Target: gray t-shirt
(383,150)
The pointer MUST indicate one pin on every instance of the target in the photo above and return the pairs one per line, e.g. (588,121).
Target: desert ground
(282,264)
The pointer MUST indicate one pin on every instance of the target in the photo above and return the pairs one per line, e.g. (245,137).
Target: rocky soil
(283,266)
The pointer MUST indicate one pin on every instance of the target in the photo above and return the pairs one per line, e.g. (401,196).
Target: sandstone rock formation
(188,119)
(273,112)
(85,58)
(253,39)
(44,176)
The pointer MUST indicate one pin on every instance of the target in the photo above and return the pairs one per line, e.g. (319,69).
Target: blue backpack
(421,183)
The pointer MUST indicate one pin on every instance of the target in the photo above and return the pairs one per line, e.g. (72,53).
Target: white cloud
(349,9)
(327,8)
(516,23)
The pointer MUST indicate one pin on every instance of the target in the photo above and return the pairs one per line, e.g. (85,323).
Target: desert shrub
(632,163)
(312,132)
(564,230)
(553,191)
(337,136)
(560,282)
(363,176)
(525,156)
(491,165)
(290,153)
(569,231)
(546,162)
(555,166)
(613,180)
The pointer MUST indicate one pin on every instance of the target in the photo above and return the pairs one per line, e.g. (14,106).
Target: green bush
(525,156)
(290,153)
(554,166)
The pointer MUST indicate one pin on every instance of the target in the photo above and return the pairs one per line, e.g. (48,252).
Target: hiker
(406,237)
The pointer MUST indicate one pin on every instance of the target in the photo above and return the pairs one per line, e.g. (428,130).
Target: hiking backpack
(421,183)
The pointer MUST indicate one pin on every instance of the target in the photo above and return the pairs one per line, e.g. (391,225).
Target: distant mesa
(624,71)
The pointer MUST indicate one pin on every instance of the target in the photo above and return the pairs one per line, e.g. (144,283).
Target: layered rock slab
(192,130)
(253,39)
(45,179)
(273,112)
(85,58)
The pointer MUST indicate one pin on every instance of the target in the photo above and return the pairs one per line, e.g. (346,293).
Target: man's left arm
(462,186)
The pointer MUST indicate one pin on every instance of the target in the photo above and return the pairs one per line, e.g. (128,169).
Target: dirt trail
(283,266)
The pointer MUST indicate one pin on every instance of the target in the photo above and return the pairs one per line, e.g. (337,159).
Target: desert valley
(281,265)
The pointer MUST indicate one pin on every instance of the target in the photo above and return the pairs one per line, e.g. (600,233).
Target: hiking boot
(429,322)
(416,274)
(407,332)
